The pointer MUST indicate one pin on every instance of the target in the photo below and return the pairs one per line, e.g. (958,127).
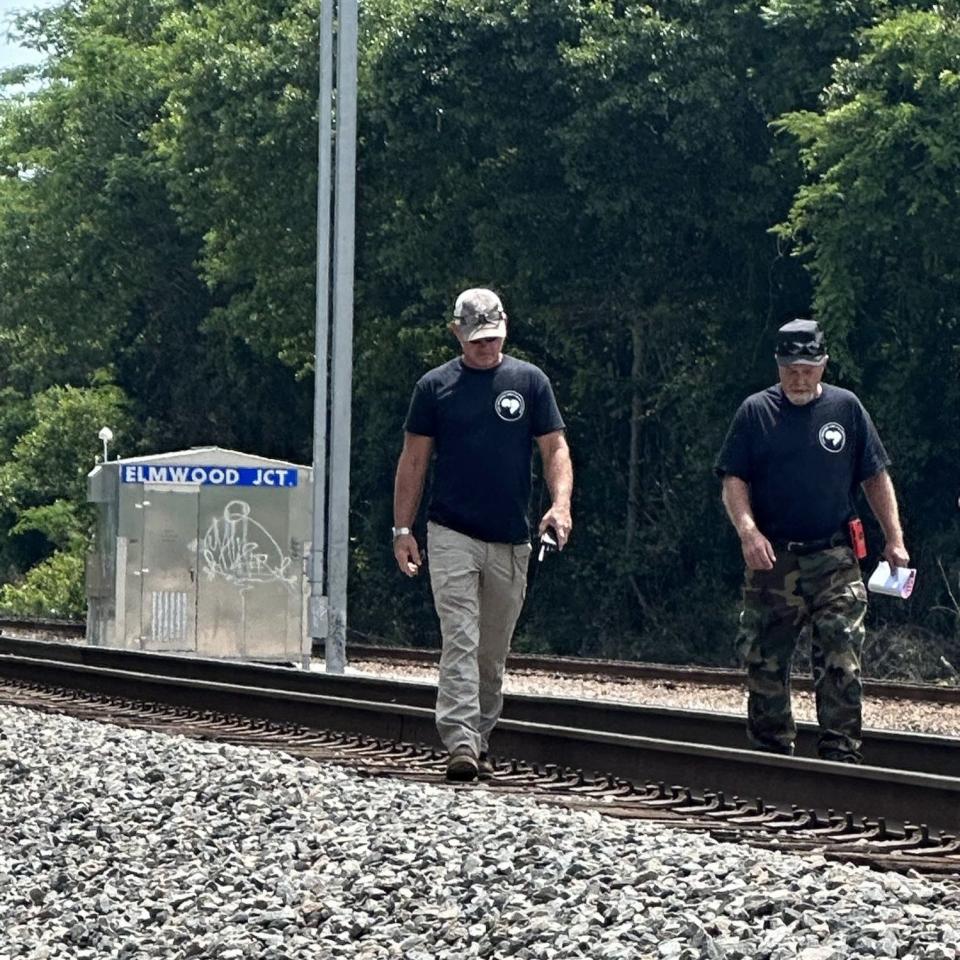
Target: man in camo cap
(791,463)
(478,416)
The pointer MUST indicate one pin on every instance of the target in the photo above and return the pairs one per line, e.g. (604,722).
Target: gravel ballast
(131,844)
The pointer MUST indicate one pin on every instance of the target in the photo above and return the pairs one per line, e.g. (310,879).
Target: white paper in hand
(897,582)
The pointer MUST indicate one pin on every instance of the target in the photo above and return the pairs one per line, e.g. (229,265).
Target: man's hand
(558,471)
(757,550)
(895,553)
(407,554)
(558,517)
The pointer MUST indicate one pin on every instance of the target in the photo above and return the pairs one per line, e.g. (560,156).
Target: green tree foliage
(86,246)
(53,588)
(624,214)
(98,271)
(98,277)
(613,169)
(879,221)
(53,456)
(237,139)
(43,491)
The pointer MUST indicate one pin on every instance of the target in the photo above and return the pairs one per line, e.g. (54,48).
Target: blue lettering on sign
(209,476)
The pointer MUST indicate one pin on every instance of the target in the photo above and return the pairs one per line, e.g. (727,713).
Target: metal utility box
(202,552)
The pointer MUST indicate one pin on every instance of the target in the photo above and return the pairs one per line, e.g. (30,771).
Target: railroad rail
(920,753)
(795,797)
(567,666)
(630,669)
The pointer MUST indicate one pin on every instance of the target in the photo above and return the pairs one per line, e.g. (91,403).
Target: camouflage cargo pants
(823,589)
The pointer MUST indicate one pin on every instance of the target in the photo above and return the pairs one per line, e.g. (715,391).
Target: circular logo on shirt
(509,405)
(832,437)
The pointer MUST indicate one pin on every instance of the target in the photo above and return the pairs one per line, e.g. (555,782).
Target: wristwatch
(400,532)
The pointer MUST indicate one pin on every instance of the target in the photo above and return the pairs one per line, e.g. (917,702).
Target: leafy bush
(53,588)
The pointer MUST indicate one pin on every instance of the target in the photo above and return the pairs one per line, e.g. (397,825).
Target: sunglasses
(795,349)
(476,320)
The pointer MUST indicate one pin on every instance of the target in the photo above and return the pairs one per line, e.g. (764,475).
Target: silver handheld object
(548,544)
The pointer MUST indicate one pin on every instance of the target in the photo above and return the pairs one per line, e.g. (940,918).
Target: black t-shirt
(483,423)
(803,463)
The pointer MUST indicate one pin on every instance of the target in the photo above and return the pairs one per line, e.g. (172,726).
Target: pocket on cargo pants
(521,566)
(745,639)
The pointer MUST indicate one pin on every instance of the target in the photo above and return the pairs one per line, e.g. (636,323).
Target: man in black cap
(791,464)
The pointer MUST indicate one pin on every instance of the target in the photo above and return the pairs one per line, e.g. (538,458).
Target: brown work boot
(484,766)
(462,764)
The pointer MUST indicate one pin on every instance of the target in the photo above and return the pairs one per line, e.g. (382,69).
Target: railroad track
(563,666)
(629,669)
(920,753)
(897,818)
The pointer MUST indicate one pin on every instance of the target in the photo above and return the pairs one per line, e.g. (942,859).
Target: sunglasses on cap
(474,321)
(805,350)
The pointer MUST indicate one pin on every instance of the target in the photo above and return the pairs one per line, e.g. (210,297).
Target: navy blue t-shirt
(483,423)
(803,463)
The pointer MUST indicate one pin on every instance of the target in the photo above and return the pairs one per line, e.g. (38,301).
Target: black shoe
(462,765)
(837,757)
(484,766)
(780,749)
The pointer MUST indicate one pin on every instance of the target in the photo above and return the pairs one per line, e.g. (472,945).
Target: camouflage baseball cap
(478,313)
(801,341)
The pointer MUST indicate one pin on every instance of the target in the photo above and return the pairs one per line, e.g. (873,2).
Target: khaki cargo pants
(825,590)
(478,591)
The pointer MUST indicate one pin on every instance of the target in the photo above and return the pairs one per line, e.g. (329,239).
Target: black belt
(802,547)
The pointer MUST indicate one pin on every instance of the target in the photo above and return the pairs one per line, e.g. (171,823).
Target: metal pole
(338,534)
(318,626)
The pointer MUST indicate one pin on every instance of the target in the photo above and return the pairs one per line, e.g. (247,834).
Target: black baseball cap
(801,341)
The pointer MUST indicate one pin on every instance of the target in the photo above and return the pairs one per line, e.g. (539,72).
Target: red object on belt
(857,538)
